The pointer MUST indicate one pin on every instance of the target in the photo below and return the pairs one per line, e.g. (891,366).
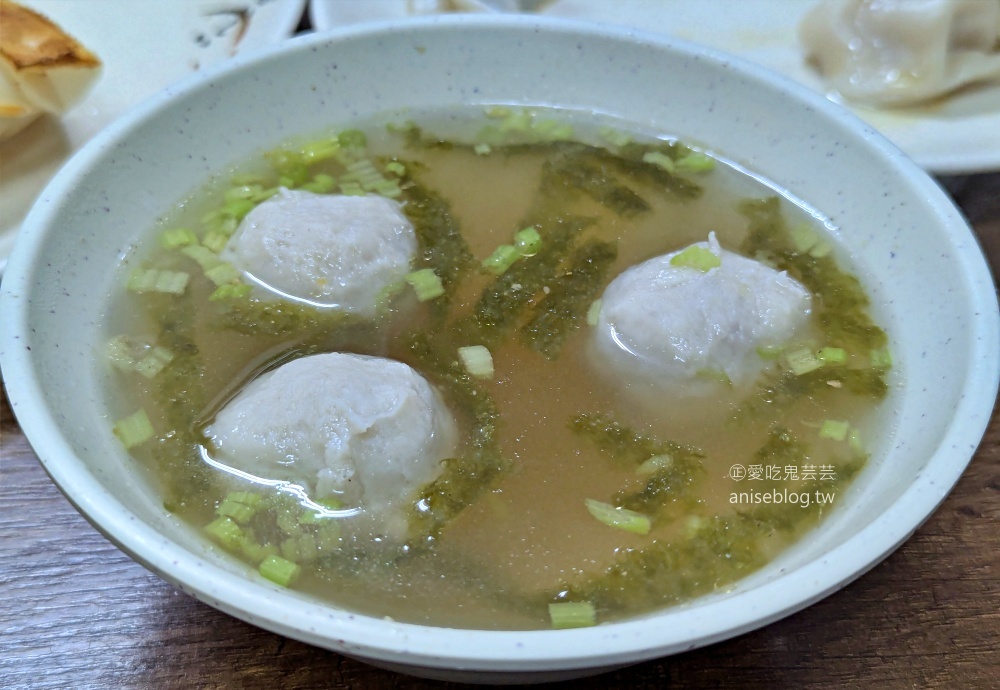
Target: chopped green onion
(178,237)
(502,258)
(700,258)
(482,149)
(278,570)
(619,518)
(594,313)
(426,284)
(527,241)
(572,614)
(223,274)
(256,552)
(714,376)
(238,208)
(153,280)
(134,429)
(655,464)
(832,355)
(802,361)
(881,358)
(660,160)
(153,363)
(696,162)
(230,291)
(317,151)
(396,168)
(225,531)
(614,137)
(477,360)
(834,429)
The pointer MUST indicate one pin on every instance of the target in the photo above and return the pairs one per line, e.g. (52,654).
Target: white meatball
(676,324)
(330,250)
(367,430)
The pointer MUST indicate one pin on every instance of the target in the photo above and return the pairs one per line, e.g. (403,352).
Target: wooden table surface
(75,612)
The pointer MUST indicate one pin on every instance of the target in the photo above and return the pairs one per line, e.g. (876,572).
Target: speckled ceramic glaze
(919,259)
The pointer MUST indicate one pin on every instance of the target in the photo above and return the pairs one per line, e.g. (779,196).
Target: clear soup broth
(574,497)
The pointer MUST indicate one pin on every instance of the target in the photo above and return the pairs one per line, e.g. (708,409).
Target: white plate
(145,46)
(961,135)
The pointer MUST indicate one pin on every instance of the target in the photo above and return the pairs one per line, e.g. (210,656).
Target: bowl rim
(659,633)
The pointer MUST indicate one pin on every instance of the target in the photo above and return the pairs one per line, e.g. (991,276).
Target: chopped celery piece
(572,614)
(660,160)
(619,518)
(279,570)
(820,250)
(254,551)
(203,256)
(694,524)
(153,280)
(223,274)
(153,363)
(834,429)
(483,149)
(854,440)
(426,284)
(230,291)
(695,162)
(352,138)
(881,358)
(803,238)
(134,429)
(317,151)
(321,184)
(714,376)
(215,240)
(351,189)
(225,531)
(178,237)
(553,130)
(802,361)
(396,168)
(594,312)
(527,241)
(119,351)
(477,360)
(502,258)
(655,464)
(832,355)
(700,258)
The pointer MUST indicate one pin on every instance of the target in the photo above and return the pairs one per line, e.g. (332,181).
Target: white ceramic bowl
(925,271)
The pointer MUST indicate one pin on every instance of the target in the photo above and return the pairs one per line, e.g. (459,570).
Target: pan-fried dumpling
(901,52)
(42,69)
